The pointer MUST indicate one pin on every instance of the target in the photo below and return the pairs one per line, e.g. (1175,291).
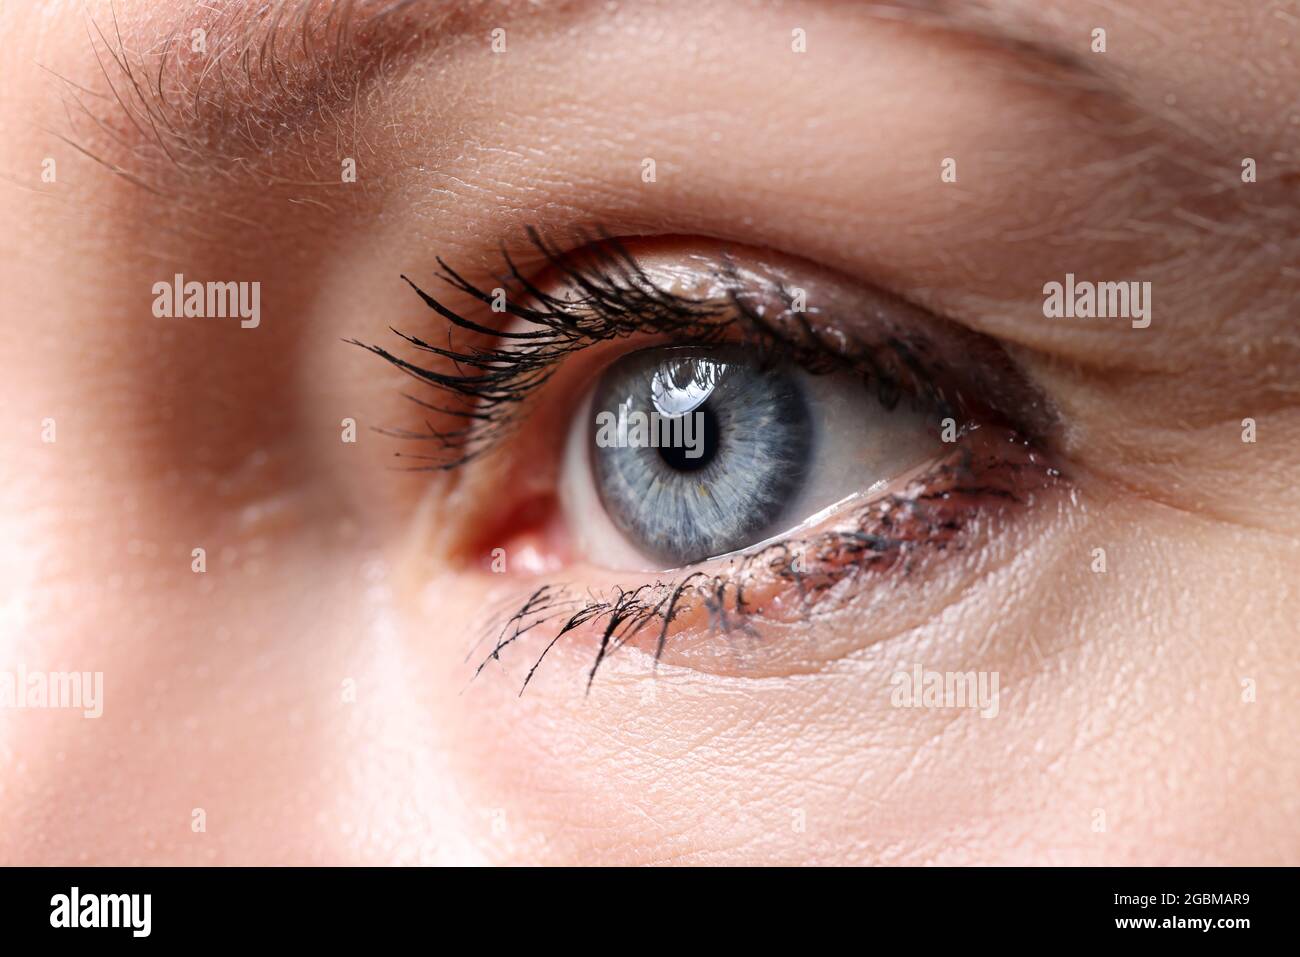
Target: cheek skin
(311,692)
(1144,710)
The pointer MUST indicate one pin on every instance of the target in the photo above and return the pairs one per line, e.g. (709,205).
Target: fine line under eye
(485,378)
(990,472)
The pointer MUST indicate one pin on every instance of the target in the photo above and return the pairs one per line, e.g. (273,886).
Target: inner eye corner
(718,436)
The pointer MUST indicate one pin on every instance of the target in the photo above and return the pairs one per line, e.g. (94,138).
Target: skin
(310,691)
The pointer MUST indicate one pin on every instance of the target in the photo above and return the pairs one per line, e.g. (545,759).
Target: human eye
(717,439)
(698,452)
(844,244)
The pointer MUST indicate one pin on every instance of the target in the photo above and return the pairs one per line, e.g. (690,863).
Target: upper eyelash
(607,295)
(612,298)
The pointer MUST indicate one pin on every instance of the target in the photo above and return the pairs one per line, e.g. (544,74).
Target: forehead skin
(223,690)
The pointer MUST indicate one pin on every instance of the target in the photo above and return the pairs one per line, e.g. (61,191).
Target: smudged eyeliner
(990,471)
(604,293)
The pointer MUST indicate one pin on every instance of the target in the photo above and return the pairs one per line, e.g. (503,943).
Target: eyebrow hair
(275,70)
(225,81)
(266,67)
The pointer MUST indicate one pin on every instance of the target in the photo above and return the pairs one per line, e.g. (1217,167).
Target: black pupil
(707,442)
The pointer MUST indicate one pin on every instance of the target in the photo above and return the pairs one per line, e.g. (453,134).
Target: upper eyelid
(605,293)
(506,373)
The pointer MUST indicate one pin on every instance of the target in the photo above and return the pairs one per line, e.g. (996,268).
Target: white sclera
(859,447)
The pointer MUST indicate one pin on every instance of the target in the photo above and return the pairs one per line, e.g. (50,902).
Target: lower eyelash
(991,469)
(897,351)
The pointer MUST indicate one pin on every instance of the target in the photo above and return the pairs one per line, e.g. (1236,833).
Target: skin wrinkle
(713,769)
(377,22)
(969,589)
(290,87)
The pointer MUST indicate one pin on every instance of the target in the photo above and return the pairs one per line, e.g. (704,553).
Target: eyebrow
(230,78)
(269,67)
(274,69)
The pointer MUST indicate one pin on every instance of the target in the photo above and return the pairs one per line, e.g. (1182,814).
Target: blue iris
(698,452)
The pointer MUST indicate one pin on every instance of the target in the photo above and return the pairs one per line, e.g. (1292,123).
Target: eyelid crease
(606,293)
(612,298)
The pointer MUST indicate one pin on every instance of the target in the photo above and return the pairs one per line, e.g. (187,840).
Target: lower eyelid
(730,616)
(888,550)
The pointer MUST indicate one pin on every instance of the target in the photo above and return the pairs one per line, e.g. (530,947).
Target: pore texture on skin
(312,547)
